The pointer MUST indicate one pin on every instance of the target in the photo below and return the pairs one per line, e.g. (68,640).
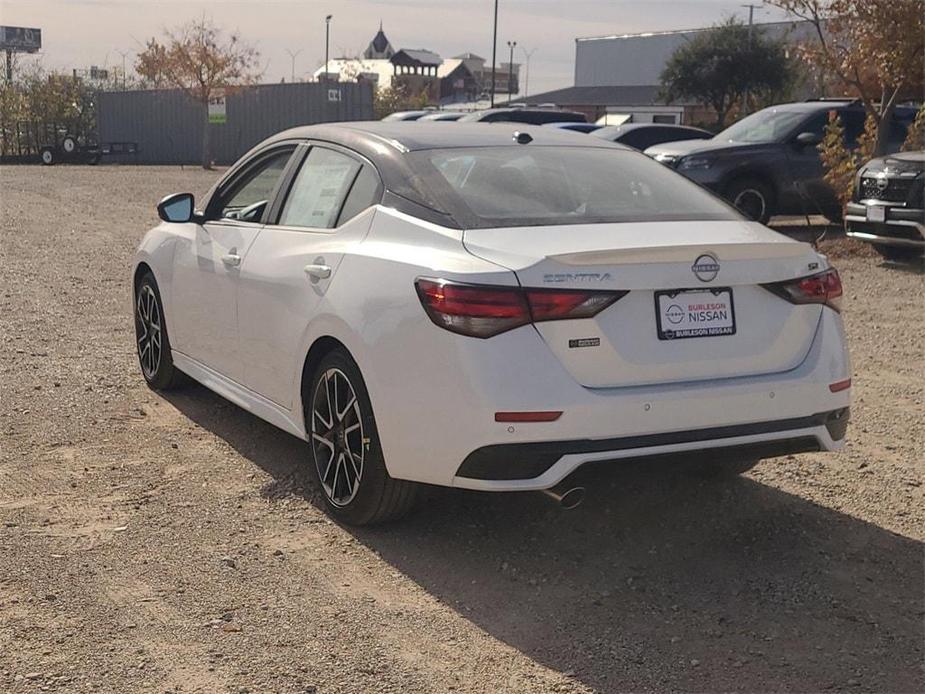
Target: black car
(768,163)
(645,135)
(887,208)
(532,116)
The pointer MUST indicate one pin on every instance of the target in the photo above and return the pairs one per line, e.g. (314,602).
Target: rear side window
(319,189)
(363,194)
(525,185)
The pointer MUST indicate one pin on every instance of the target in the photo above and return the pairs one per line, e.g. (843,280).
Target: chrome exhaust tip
(567,496)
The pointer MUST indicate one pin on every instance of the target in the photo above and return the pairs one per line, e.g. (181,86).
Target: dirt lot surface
(174,544)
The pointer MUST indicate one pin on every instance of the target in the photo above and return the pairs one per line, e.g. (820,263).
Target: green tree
(719,67)
(200,60)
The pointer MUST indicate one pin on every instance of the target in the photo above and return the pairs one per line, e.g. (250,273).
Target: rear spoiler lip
(684,253)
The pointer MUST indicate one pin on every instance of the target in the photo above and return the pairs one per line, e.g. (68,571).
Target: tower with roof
(379,47)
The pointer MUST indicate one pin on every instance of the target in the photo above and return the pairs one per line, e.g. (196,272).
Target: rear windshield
(523,185)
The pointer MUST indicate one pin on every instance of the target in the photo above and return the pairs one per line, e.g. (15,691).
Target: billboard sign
(217,113)
(24,39)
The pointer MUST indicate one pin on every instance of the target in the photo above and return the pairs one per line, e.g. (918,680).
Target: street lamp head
(329,17)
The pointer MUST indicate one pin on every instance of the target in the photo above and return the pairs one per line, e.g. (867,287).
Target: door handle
(318,272)
(231,259)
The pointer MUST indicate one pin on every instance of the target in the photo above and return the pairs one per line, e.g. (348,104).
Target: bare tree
(199,59)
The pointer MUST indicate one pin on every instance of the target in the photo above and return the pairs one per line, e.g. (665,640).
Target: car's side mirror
(808,139)
(177,208)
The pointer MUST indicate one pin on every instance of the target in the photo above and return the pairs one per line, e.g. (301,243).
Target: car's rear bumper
(902,226)
(463,382)
(541,465)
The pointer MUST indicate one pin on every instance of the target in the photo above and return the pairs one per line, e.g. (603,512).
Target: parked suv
(887,208)
(768,163)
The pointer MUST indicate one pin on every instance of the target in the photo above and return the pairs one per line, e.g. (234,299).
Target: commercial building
(617,77)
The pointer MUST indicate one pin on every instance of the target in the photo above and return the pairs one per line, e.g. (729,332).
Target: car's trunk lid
(633,341)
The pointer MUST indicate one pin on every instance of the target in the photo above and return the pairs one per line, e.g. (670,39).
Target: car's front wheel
(151,339)
(347,458)
(753,198)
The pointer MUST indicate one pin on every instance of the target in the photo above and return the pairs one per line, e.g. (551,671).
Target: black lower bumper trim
(516,461)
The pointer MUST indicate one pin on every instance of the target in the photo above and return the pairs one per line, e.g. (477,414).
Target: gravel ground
(153,543)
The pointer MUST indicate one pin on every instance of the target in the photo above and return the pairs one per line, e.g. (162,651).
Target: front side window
(248,197)
(523,185)
(319,189)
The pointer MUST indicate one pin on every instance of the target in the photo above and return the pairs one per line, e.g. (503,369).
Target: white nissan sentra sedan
(488,307)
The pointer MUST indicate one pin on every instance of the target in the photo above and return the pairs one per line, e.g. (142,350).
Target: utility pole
(510,71)
(751,17)
(327,43)
(527,56)
(292,56)
(494,52)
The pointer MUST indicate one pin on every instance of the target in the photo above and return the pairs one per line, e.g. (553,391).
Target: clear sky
(81,33)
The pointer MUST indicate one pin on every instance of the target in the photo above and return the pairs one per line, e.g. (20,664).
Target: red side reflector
(527,416)
(839,386)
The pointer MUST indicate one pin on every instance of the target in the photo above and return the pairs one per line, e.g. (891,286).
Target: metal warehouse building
(618,75)
(167,125)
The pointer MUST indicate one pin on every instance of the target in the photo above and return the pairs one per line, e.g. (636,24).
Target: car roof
(609,130)
(405,136)
(514,109)
(442,115)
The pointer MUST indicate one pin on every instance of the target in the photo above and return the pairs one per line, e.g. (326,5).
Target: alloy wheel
(148,330)
(337,436)
(751,202)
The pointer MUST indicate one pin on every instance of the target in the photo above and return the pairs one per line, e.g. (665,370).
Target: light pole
(292,56)
(751,16)
(510,71)
(123,54)
(527,56)
(327,43)
(494,51)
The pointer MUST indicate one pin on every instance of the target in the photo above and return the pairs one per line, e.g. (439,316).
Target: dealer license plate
(694,313)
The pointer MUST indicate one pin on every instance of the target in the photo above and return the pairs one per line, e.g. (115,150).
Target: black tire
(335,441)
(151,340)
(898,253)
(48,156)
(753,198)
(716,469)
(835,216)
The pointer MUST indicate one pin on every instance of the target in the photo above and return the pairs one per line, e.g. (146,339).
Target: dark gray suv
(768,163)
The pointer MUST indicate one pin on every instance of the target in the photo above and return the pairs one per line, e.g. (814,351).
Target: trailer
(27,142)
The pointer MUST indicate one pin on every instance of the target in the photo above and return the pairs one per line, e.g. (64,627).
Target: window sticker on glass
(319,190)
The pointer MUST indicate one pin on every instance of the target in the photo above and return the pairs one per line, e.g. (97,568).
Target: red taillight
(824,288)
(481,311)
(555,304)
